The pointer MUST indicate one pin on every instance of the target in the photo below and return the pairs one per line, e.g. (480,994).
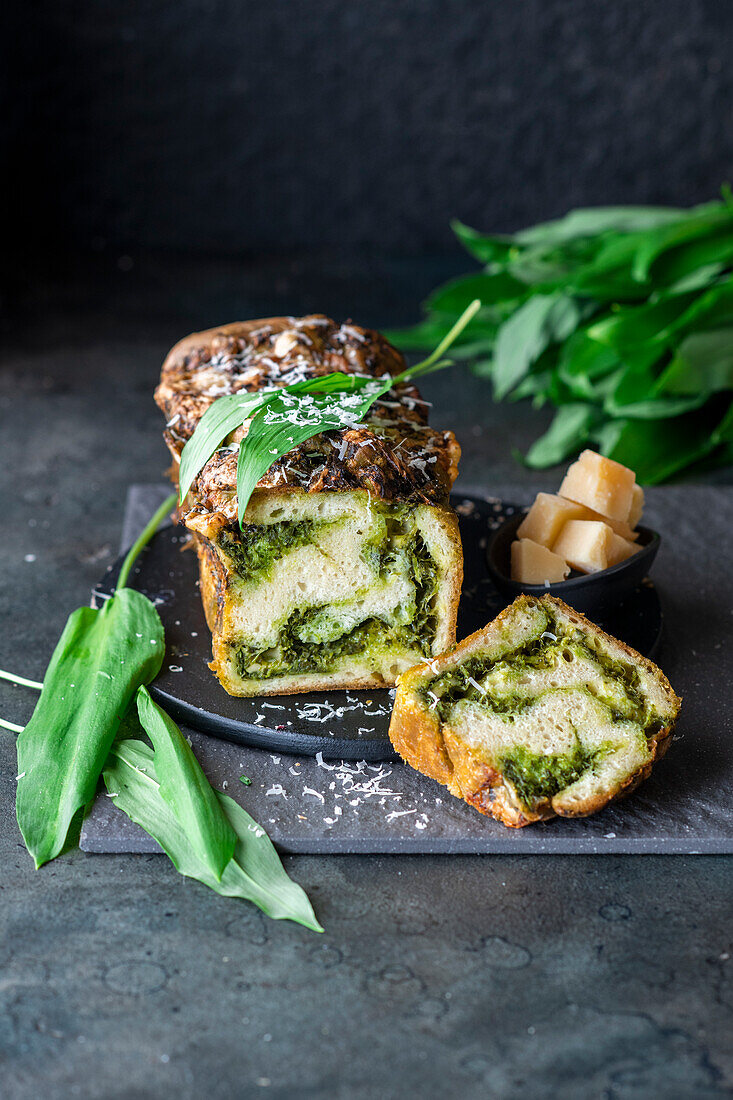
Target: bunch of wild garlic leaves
(619,317)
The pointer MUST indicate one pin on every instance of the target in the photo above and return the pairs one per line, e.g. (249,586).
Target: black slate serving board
(319,804)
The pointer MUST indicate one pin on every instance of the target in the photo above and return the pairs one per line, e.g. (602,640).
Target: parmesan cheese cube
(535,564)
(547,517)
(637,506)
(617,526)
(601,484)
(585,544)
(620,549)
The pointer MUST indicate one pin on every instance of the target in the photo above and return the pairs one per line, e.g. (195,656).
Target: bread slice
(540,713)
(328,589)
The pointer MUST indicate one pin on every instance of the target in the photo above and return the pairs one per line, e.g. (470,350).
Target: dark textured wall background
(224,126)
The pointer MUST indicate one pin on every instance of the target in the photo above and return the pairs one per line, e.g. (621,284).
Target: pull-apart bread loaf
(540,713)
(348,569)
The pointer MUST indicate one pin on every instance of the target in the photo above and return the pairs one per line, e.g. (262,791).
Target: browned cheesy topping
(394,454)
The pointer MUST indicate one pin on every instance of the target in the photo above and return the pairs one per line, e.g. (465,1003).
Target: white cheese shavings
(354,334)
(316,794)
(322,712)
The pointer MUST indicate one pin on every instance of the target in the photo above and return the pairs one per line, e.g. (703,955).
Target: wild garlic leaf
(255,872)
(594,220)
(723,431)
(712,309)
(99,662)
(649,407)
(185,788)
(290,419)
(636,394)
(535,385)
(587,222)
(582,362)
(521,340)
(546,268)
(258,870)
(569,430)
(231,412)
(455,296)
(666,319)
(634,325)
(703,363)
(221,418)
(611,275)
(706,221)
(695,265)
(483,246)
(659,449)
(101,658)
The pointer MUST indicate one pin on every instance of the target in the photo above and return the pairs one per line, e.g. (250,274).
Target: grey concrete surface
(607,977)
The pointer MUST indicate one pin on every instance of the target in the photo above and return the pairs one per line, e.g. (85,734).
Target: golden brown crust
(453,584)
(432,748)
(415,733)
(213,582)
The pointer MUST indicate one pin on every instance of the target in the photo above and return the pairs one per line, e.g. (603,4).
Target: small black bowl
(592,593)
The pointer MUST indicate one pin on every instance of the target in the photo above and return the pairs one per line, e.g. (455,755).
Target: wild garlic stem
(468,314)
(20,680)
(152,526)
(11,726)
